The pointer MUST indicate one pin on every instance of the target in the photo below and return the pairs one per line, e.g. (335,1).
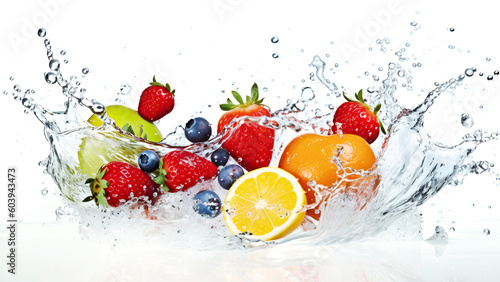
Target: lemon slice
(266,204)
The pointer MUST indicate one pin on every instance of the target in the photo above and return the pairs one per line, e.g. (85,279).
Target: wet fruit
(315,159)
(207,203)
(266,204)
(117,183)
(229,174)
(105,147)
(130,121)
(156,101)
(198,129)
(219,157)
(148,161)
(251,145)
(182,170)
(356,117)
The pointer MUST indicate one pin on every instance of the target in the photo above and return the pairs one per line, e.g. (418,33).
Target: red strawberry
(118,182)
(156,101)
(251,145)
(356,117)
(182,170)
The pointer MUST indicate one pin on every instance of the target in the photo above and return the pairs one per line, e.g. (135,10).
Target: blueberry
(229,174)
(198,130)
(207,203)
(148,161)
(219,157)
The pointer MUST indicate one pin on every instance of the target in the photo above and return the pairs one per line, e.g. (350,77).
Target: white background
(203,48)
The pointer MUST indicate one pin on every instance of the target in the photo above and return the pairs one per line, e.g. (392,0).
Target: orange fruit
(314,157)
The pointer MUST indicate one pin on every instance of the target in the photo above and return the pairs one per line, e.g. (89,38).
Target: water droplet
(46,42)
(489,77)
(45,191)
(451,46)
(42,32)
(54,65)
(401,73)
(26,102)
(5,93)
(307,94)
(452,29)
(452,229)
(65,61)
(275,55)
(85,70)
(17,88)
(469,72)
(466,120)
(488,59)
(496,72)
(367,73)
(275,39)
(301,50)
(264,89)
(486,231)
(63,52)
(125,89)
(51,78)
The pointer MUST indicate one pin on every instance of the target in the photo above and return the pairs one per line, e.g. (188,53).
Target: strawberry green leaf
(382,127)
(161,179)
(88,199)
(377,108)
(168,87)
(347,98)
(237,96)
(128,128)
(253,99)
(173,92)
(227,107)
(254,92)
(360,96)
(97,187)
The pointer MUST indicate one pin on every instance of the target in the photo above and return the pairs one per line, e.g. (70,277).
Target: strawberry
(182,170)
(119,182)
(356,117)
(156,101)
(251,145)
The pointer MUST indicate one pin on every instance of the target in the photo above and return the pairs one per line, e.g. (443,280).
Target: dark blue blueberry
(198,130)
(148,161)
(219,157)
(207,203)
(229,174)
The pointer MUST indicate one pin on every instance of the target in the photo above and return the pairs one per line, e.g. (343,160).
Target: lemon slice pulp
(266,204)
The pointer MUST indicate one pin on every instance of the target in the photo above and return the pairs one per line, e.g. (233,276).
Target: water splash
(411,166)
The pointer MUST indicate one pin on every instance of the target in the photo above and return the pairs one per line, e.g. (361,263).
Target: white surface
(201,51)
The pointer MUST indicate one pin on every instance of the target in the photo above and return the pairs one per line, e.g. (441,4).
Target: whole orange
(314,157)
